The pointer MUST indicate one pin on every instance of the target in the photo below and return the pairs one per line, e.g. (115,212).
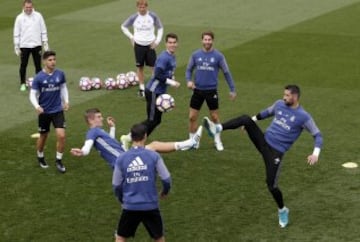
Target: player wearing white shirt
(30,34)
(143,38)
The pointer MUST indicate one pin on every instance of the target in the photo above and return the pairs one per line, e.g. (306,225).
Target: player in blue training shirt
(49,95)
(109,148)
(134,184)
(163,76)
(290,119)
(207,62)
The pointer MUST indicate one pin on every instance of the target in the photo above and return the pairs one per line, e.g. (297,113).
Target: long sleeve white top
(29,30)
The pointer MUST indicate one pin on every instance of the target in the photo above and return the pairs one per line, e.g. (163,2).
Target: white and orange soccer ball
(96,83)
(29,82)
(132,78)
(165,103)
(85,83)
(121,81)
(110,83)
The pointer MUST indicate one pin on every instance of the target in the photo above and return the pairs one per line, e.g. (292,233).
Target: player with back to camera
(206,63)
(163,76)
(143,38)
(49,96)
(134,184)
(109,148)
(290,119)
(30,35)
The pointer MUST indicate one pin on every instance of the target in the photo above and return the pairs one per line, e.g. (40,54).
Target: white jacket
(29,30)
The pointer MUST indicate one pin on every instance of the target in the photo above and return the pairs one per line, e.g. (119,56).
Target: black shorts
(130,220)
(199,96)
(144,55)
(45,119)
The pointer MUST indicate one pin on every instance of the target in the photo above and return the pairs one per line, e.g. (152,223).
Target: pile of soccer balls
(122,81)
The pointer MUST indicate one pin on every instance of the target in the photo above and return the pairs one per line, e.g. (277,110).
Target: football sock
(59,156)
(217,138)
(184,144)
(40,154)
(141,86)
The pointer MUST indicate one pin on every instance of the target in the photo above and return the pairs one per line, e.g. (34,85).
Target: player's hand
(153,45)
(46,46)
(66,106)
(76,152)
(110,121)
(163,195)
(312,159)
(191,85)
(17,51)
(232,96)
(39,110)
(176,84)
(132,42)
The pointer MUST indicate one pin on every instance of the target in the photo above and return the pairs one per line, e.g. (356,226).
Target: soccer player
(207,62)
(163,76)
(30,35)
(109,148)
(143,38)
(49,96)
(290,119)
(134,184)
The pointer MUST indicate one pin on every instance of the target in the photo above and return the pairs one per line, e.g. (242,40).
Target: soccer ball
(110,83)
(165,103)
(85,83)
(29,82)
(121,81)
(132,78)
(96,83)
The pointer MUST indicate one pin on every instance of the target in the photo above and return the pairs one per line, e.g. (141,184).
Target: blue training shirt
(287,125)
(134,178)
(108,147)
(165,66)
(48,87)
(207,66)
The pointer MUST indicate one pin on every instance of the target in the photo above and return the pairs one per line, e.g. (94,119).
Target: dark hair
(294,89)
(209,33)
(89,113)
(48,53)
(138,132)
(171,35)
(27,1)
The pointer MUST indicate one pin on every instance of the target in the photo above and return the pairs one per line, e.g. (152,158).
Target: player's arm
(160,30)
(165,177)
(312,128)
(64,93)
(17,36)
(228,77)
(188,73)
(266,113)
(125,27)
(117,181)
(111,123)
(44,37)
(160,75)
(85,150)
(34,100)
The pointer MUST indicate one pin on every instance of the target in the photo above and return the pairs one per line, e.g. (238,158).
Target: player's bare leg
(60,146)
(214,116)
(141,76)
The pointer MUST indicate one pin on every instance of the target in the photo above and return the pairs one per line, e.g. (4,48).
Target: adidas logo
(136,165)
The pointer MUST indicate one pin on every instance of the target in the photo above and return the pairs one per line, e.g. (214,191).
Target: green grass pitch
(216,196)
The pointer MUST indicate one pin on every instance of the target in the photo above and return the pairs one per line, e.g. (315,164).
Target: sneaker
(219,146)
(197,137)
(141,93)
(59,165)
(23,87)
(210,127)
(284,217)
(42,162)
(126,142)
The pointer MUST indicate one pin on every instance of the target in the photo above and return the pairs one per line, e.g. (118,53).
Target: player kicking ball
(290,119)
(110,148)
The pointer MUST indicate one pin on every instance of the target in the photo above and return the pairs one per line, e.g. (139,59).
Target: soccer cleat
(23,87)
(42,162)
(209,126)
(141,93)
(126,142)
(197,137)
(219,146)
(59,165)
(283,217)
